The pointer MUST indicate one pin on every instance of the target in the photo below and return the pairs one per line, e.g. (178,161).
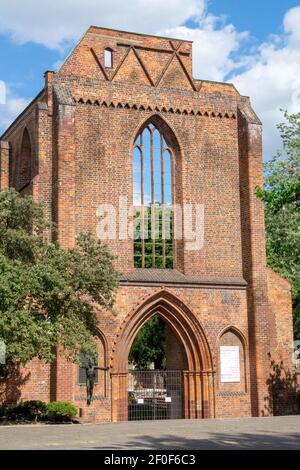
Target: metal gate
(155,394)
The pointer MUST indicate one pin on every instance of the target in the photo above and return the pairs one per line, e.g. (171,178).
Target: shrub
(3,411)
(33,409)
(14,413)
(28,410)
(60,411)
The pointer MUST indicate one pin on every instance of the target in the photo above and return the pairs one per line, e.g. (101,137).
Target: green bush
(33,409)
(14,413)
(3,411)
(60,411)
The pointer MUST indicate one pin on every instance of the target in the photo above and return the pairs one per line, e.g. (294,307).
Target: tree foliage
(149,345)
(46,292)
(282,203)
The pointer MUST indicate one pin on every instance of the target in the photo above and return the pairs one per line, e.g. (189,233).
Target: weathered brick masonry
(72,149)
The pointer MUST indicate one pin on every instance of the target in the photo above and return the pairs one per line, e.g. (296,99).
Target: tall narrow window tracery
(153,168)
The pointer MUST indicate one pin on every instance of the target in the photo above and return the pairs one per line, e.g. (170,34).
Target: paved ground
(248,433)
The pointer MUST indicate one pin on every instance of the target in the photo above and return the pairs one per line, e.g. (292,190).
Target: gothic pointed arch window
(25,160)
(153,170)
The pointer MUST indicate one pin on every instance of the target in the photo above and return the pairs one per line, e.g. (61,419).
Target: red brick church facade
(72,149)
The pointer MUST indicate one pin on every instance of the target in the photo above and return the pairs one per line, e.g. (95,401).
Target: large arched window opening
(153,170)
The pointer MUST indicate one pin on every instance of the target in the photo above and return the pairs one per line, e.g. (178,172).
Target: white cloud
(214,43)
(55,23)
(270,75)
(291,25)
(273,79)
(11,109)
(2,92)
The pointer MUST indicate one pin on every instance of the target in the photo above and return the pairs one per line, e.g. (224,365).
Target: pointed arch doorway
(197,380)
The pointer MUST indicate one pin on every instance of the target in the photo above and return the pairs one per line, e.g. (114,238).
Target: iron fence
(155,394)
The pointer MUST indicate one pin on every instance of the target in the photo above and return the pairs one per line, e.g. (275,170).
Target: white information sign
(230,363)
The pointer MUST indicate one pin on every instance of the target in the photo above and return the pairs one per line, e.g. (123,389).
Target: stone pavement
(245,433)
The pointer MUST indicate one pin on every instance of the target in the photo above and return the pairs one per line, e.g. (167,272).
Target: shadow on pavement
(217,441)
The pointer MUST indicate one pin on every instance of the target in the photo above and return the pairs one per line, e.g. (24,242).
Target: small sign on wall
(140,401)
(168,399)
(230,364)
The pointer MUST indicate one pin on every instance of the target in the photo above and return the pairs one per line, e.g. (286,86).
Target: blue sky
(261,18)
(256,45)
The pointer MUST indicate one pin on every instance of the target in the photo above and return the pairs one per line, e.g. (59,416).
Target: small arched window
(153,163)
(108,58)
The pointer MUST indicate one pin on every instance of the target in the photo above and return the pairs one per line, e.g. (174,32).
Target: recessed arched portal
(198,383)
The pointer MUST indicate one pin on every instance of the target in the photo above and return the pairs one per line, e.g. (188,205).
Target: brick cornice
(216,284)
(147,107)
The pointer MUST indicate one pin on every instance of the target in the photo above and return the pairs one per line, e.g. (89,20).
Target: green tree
(282,203)
(149,345)
(46,292)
